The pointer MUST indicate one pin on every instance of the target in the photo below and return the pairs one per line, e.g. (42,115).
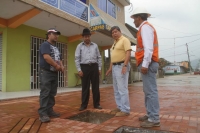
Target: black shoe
(82,108)
(44,119)
(54,114)
(98,107)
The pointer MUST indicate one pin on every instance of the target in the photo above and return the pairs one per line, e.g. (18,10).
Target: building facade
(23,29)
(173,70)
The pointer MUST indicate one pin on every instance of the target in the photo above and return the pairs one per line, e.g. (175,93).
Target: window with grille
(34,79)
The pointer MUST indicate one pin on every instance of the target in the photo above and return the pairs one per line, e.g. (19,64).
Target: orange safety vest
(139,54)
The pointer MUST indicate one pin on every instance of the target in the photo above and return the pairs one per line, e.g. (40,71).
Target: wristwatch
(125,65)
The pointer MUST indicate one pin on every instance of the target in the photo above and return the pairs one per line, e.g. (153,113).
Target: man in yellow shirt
(120,67)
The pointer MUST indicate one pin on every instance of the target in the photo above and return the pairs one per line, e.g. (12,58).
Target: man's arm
(62,67)
(109,70)
(78,58)
(99,59)
(45,51)
(147,39)
(49,60)
(127,58)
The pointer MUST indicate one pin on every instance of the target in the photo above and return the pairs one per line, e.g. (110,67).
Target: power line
(172,30)
(194,41)
(180,37)
(173,55)
(172,48)
(181,45)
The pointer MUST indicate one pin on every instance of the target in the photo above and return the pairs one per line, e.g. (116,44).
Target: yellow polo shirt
(119,48)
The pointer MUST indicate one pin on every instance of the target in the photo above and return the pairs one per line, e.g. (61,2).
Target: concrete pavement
(179,109)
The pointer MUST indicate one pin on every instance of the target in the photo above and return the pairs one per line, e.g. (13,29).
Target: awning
(102,22)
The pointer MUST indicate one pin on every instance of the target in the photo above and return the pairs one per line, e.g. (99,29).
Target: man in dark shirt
(50,64)
(88,63)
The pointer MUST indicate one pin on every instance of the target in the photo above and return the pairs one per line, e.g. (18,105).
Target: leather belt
(118,63)
(90,64)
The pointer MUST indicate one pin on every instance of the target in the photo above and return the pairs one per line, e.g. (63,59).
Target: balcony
(124,2)
(73,7)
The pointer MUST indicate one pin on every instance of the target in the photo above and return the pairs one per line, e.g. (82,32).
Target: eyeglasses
(113,46)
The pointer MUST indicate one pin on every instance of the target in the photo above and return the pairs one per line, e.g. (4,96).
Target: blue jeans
(151,92)
(120,85)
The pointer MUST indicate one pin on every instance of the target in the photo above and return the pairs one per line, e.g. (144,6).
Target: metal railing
(73,7)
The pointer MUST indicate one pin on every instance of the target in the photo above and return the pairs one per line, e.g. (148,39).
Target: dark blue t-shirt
(48,48)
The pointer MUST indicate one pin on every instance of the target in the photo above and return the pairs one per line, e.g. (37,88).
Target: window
(111,9)
(84,1)
(108,7)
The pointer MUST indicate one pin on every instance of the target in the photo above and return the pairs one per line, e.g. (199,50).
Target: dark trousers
(90,75)
(48,91)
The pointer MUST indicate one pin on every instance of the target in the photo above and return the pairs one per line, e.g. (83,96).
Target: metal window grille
(34,79)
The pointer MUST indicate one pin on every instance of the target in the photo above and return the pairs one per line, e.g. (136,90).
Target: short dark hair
(48,35)
(113,28)
(143,16)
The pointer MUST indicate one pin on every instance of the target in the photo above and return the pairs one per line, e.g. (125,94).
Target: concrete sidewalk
(36,92)
(179,109)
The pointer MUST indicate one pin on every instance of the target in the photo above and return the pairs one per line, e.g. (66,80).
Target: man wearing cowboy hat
(88,63)
(50,64)
(147,61)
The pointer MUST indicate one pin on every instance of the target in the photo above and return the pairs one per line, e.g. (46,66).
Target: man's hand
(144,70)
(108,72)
(58,68)
(80,73)
(62,69)
(124,69)
(99,72)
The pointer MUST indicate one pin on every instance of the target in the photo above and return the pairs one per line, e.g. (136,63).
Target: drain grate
(92,117)
(126,129)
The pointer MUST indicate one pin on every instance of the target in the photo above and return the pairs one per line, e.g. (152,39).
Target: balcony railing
(72,7)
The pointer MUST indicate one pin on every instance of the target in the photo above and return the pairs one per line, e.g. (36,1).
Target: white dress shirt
(147,33)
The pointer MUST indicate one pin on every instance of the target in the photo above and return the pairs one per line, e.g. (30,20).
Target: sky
(177,22)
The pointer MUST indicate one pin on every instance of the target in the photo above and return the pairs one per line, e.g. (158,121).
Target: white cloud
(177,15)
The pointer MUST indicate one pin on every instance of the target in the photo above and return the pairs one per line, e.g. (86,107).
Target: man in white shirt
(147,61)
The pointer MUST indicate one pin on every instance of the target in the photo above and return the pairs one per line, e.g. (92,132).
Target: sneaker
(150,124)
(118,114)
(114,111)
(143,118)
(54,114)
(44,119)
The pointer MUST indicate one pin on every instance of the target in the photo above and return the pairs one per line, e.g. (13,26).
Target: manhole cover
(91,117)
(125,129)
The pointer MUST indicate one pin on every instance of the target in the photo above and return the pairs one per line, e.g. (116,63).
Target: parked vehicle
(197,73)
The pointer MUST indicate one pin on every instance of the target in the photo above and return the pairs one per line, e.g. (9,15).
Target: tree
(162,63)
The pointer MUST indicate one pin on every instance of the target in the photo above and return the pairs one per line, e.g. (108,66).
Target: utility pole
(174,51)
(189,58)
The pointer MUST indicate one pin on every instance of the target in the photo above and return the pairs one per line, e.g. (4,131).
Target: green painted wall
(71,67)
(17,56)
